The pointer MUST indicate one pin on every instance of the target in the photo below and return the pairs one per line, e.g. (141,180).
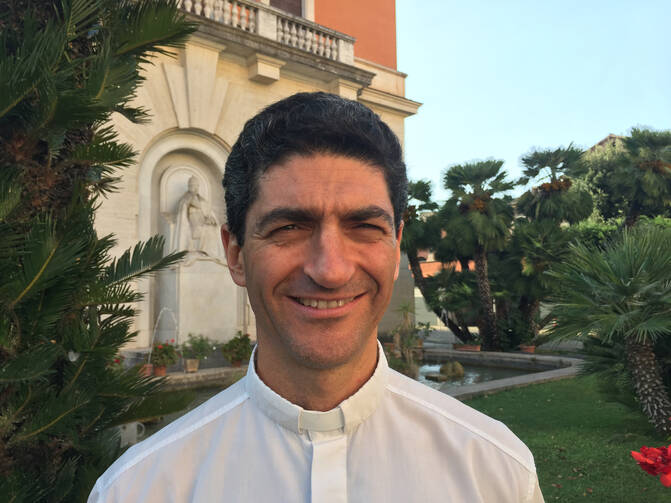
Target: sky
(497,78)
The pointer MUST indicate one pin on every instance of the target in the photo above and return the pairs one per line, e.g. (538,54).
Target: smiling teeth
(325,304)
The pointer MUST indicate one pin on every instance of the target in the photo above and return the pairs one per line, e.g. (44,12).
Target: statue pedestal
(202,296)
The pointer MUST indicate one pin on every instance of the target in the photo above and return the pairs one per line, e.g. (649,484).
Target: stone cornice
(389,101)
(244,44)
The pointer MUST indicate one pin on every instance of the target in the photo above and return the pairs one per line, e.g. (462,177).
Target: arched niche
(197,295)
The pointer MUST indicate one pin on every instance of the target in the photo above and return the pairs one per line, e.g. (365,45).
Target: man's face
(320,258)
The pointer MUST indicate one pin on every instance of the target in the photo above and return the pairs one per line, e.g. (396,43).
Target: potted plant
(238,349)
(195,349)
(473,345)
(163,355)
(528,343)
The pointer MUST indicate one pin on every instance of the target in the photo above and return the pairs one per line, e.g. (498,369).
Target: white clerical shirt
(394,440)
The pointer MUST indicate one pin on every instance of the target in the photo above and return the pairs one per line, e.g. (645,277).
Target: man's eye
(369,226)
(285,228)
(369,230)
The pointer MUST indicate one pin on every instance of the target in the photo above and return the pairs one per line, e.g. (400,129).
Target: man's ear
(236,263)
(399,236)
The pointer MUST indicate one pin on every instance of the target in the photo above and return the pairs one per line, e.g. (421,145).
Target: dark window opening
(292,6)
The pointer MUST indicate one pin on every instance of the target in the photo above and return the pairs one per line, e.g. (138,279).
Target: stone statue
(197,228)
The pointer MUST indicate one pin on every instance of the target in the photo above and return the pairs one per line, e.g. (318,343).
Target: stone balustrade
(274,24)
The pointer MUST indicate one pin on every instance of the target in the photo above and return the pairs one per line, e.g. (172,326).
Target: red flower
(160,346)
(117,360)
(655,461)
(172,341)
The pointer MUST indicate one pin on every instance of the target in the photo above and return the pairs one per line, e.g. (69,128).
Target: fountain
(153,334)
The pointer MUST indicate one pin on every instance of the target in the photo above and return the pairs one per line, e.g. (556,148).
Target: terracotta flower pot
(527,348)
(147,370)
(191,364)
(237,363)
(467,347)
(159,371)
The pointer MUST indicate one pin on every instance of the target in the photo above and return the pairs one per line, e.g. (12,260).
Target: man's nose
(329,262)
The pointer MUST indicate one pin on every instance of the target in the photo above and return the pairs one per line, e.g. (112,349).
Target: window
(292,6)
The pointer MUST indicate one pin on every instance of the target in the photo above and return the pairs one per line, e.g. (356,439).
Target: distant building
(245,55)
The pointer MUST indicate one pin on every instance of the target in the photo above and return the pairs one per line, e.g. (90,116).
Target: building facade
(244,56)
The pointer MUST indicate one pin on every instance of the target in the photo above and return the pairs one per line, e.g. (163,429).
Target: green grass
(580,442)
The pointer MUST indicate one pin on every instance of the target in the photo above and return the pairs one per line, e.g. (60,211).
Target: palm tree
(487,219)
(633,178)
(538,238)
(418,231)
(622,294)
(557,199)
(66,305)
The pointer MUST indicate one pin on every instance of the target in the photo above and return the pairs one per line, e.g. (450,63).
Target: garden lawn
(580,442)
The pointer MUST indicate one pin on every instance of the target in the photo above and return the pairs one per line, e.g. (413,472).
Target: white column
(309,9)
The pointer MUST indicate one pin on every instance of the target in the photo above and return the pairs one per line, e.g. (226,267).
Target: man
(315,191)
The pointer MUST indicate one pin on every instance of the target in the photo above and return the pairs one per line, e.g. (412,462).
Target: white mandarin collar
(346,416)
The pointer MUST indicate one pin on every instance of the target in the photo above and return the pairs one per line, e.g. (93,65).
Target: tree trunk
(648,385)
(420,283)
(487,324)
(529,311)
(464,334)
(632,215)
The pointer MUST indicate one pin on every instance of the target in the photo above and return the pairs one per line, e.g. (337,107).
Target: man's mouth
(323,304)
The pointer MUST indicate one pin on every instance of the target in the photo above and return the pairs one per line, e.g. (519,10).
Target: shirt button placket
(328,478)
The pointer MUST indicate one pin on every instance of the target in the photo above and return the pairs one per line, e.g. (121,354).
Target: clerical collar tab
(311,420)
(345,417)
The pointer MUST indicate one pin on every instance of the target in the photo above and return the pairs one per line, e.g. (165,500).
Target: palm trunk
(529,311)
(420,283)
(648,385)
(487,324)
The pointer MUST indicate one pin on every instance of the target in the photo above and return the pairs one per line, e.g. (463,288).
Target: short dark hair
(308,124)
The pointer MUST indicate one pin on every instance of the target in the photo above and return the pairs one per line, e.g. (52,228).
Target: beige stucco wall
(199,102)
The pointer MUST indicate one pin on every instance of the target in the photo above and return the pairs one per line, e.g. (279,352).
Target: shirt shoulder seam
(174,437)
(450,417)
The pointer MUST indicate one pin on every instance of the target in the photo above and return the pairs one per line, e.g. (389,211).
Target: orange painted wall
(371,22)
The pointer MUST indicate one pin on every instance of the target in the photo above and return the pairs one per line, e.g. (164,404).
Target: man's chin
(327,356)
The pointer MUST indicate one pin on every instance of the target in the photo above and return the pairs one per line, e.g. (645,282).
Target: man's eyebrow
(285,214)
(368,213)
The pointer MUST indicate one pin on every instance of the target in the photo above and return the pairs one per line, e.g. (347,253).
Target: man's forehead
(320,184)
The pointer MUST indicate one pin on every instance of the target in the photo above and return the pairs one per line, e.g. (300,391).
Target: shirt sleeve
(535,494)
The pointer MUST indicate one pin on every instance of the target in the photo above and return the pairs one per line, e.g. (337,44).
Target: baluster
(208,10)
(320,47)
(281,30)
(294,35)
(179,4)
(243,17)
(227,12)
(218,10)
(187,5)
(301,37)
(235,20)
(252,20)
(327,49)
(198,7)
(334,49)
(308,39)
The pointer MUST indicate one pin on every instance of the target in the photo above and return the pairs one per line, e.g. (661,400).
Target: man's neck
(315,389)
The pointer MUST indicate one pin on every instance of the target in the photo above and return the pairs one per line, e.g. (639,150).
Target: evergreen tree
(621,294)
(633,178)
(485,219)
(539,240)
(65,304)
